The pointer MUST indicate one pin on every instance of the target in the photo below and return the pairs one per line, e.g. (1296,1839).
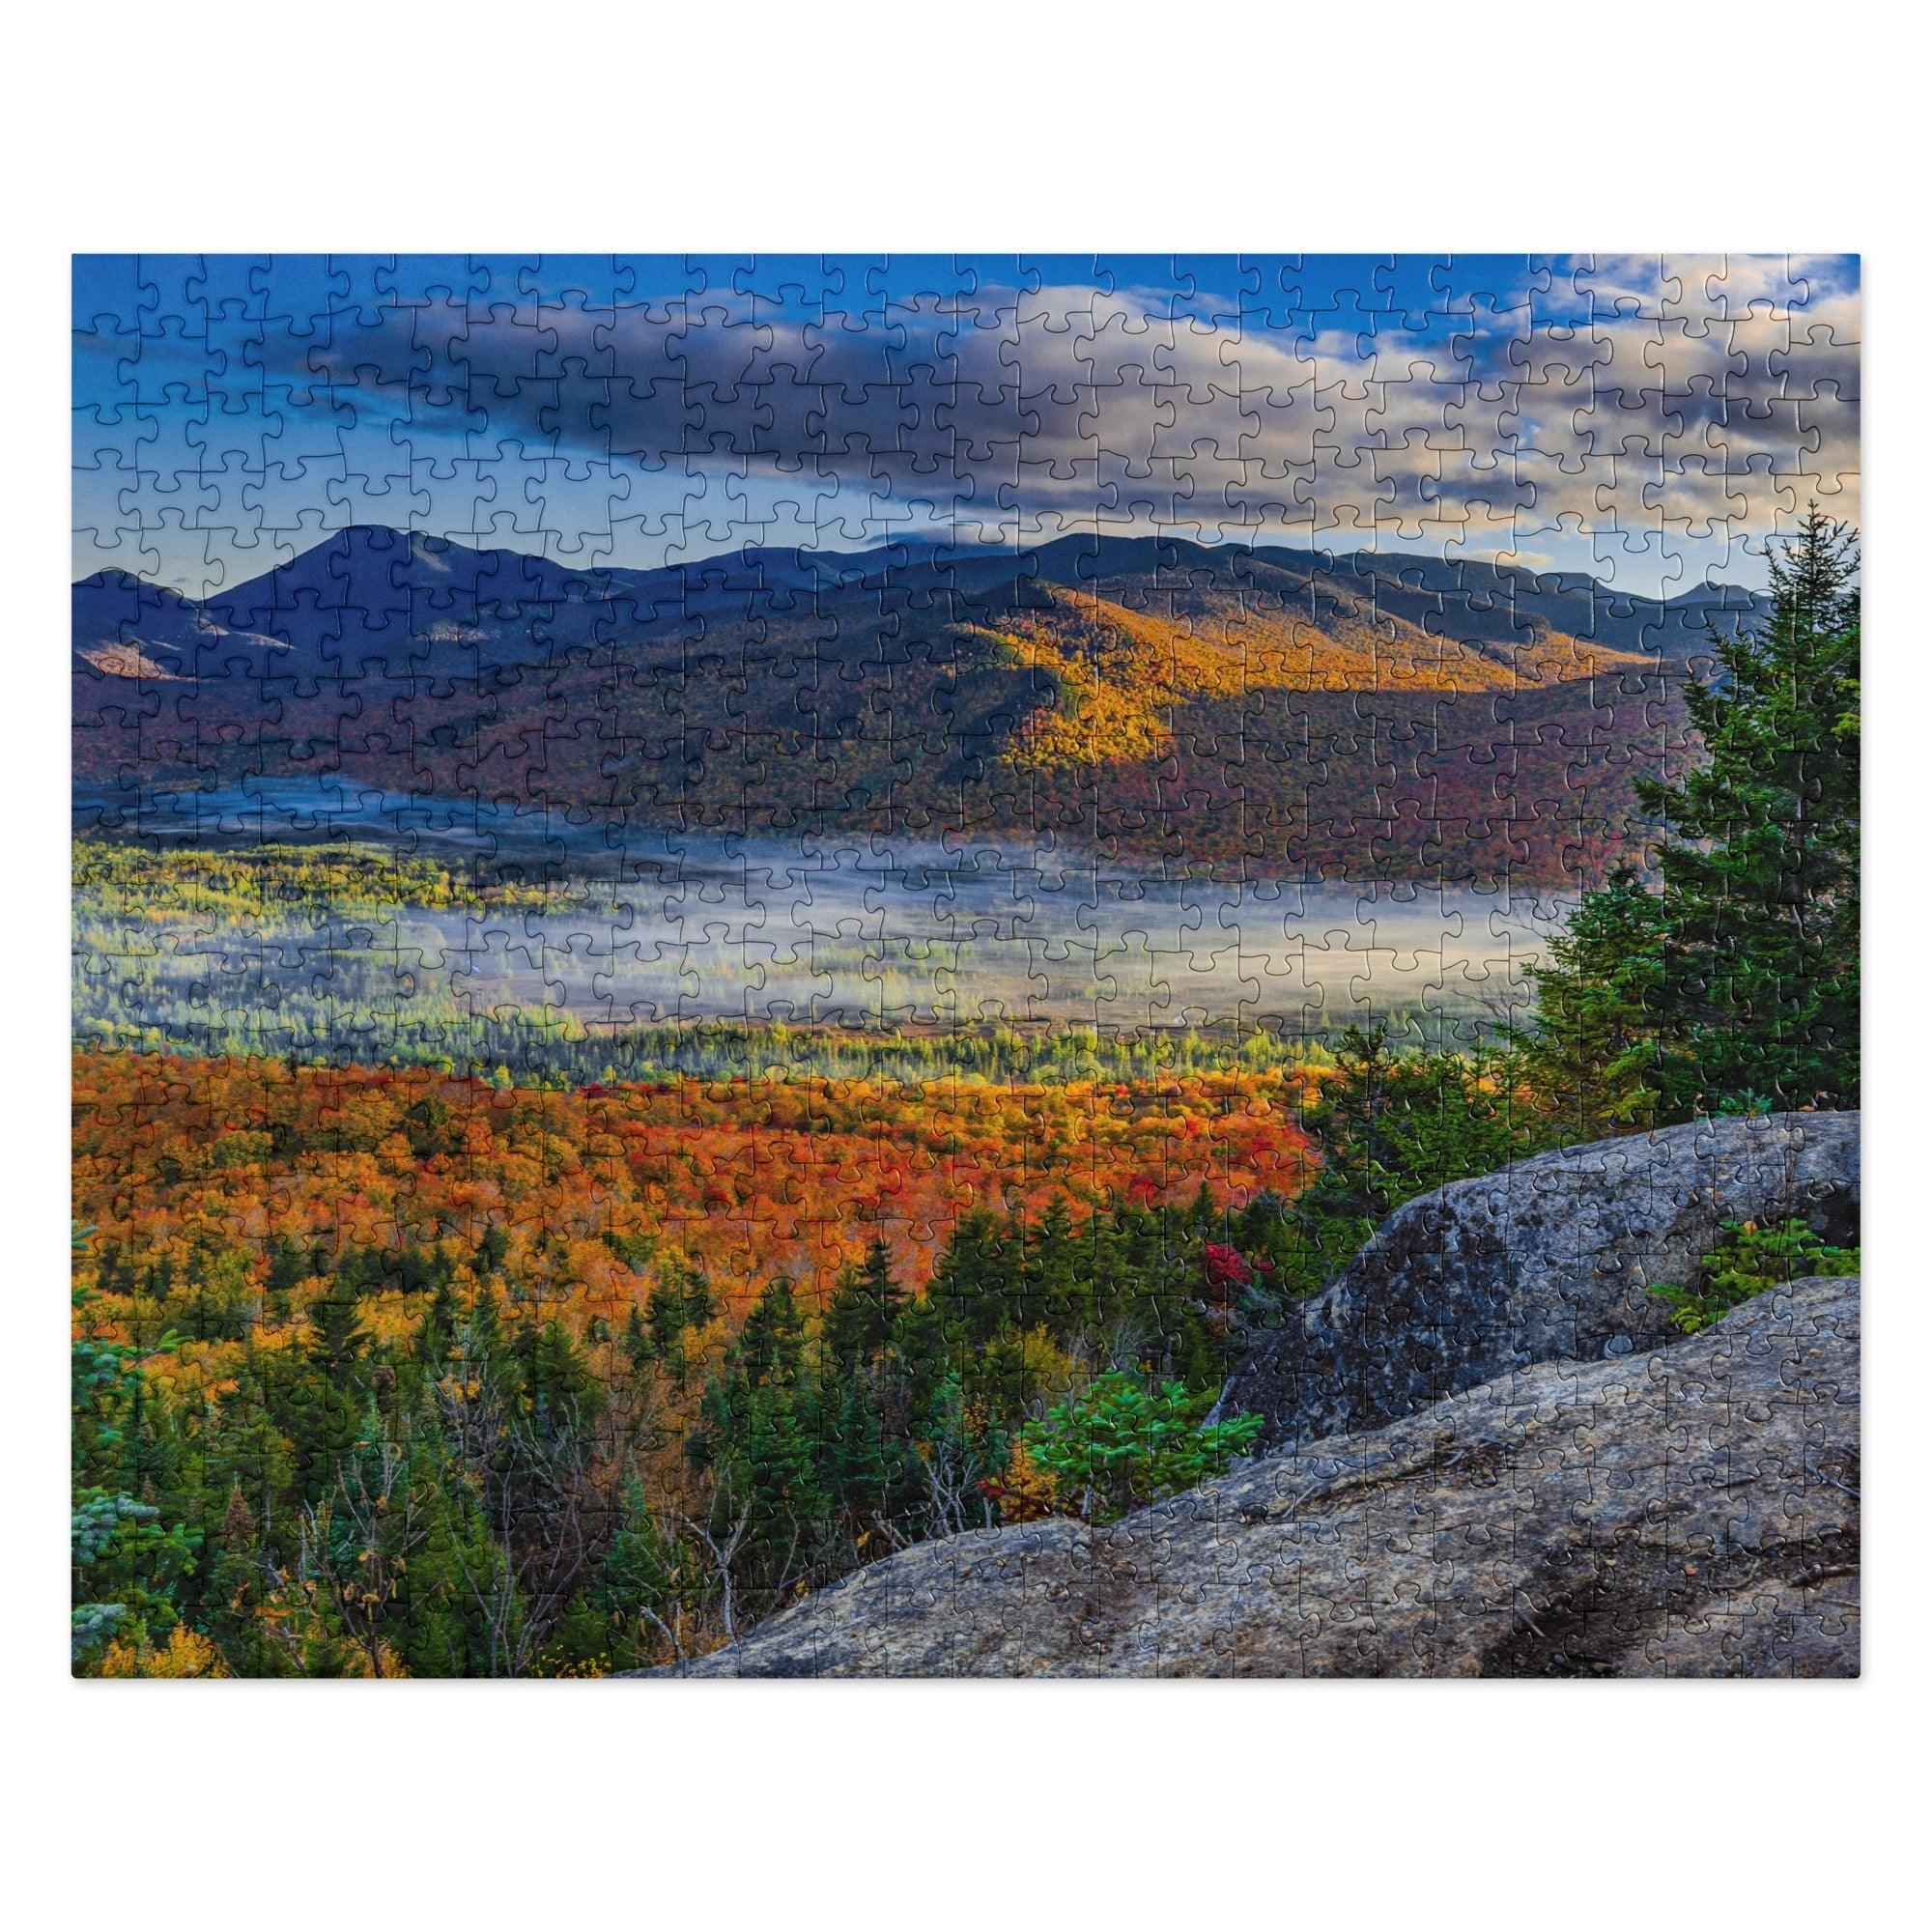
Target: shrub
(1747,1261)
(1117,1446)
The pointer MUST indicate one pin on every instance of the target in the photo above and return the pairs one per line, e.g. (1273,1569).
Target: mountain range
(1363,714)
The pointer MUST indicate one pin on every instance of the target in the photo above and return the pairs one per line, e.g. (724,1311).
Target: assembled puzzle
(965,966)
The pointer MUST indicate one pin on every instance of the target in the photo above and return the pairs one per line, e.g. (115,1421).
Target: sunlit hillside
(1119,673)
(1240,707)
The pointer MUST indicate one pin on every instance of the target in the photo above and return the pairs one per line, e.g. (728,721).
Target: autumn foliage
(593,1189)
(389,1372)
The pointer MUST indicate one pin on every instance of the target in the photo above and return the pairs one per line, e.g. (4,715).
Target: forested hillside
(1218,707)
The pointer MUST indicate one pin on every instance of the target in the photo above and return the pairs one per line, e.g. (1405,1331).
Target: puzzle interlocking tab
(952,965)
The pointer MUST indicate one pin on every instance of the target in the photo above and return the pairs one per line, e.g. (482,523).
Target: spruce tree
(968,1286)
(866,1303)
(1758,1004)
(667,1316)
(640,1351)
(1594,1051)
(1053,1299)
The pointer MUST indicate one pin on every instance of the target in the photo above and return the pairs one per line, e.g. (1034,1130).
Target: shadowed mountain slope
(1167,701)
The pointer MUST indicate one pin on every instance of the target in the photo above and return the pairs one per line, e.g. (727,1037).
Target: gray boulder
(1550,1260)
(1692,1511)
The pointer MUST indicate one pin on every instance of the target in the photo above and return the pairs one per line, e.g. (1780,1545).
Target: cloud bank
(1676,408)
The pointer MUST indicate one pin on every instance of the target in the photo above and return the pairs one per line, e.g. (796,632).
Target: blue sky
(1651,421)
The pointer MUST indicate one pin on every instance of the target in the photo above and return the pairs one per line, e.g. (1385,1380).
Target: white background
(1215,127)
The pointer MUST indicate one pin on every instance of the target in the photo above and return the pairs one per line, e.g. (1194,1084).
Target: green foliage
(246,881)
(1747,1261)
(131,1569)
(1735,987)
(866,1306)
(1117,1446)
(1593,1054)
(681,1305)
(652,1575)
(1391,1125)
(894,1419)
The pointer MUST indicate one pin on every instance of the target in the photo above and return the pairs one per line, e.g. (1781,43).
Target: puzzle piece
(736,915)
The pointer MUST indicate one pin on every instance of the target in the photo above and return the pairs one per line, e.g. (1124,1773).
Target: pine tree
(865,1304)
(321,1389)
(563,1392)
(667,1316)
(640,1351)
(967,1287)
(336,1337)
(1594,1052)
(1392,1125)
(1759,994)
(131,1564)
(436,1333)
(1053,1296)
(700,1304)
(770,1347)
(760,1441)
(236,1584)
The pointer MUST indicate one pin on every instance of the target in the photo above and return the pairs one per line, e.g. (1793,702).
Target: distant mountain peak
(367,593)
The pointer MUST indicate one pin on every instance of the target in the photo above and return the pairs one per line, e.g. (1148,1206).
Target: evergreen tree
(646,1577)
(322,1387)
(236,1584)
(967,1287)
(1594,1052)
(436,1333)
(491,1249)
(336,1337)
(700,1304)
(760,1441)
(667,1318)
(1053,1297)
(865,1303)
(770,1347)
(563,1391)
(131,1564)
(640,1351)
(1392,1125)
(1759,994)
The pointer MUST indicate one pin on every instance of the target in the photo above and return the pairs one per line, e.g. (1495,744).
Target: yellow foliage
(186,1654)
(1121,672)
(1024,1492)
(1047,1369)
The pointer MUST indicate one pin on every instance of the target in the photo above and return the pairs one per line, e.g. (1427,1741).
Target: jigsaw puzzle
(965,966)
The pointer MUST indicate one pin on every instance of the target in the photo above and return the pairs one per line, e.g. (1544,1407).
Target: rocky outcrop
(1692,1511)
(1550,1260)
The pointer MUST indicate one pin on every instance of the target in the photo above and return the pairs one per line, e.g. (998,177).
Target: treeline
(117,878)
(545,1048)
